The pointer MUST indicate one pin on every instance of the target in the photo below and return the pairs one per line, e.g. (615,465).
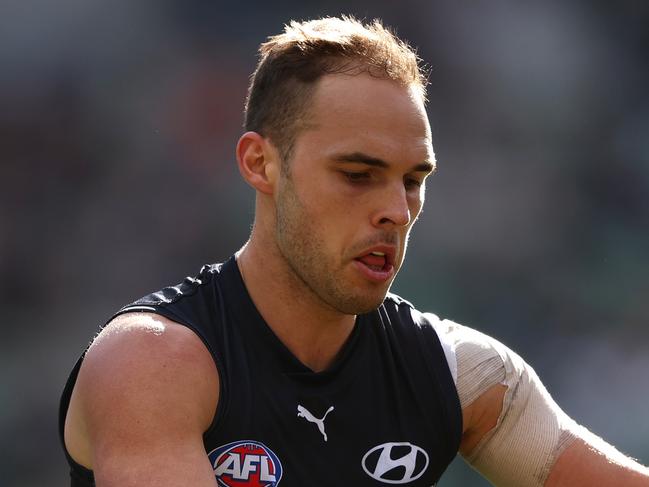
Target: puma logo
(303,412)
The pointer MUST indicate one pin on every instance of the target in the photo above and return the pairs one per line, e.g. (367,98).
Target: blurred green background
(118,123)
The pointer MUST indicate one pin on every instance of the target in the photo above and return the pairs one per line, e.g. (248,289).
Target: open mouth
(376,265)
(377,261)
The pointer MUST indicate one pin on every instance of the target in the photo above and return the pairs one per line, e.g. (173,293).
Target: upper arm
(146,392)
(480,417)
(479,372)
(514,432)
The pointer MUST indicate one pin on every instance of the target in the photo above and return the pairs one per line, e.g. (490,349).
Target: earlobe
(257,161)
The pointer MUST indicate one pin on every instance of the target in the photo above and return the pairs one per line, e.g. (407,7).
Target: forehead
(365,113)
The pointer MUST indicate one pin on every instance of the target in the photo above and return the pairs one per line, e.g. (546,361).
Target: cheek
(333,208)
(338,225)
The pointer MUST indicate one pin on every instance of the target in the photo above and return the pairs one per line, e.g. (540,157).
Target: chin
(358,305)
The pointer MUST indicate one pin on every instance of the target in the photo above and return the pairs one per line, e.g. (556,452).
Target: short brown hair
(290,63)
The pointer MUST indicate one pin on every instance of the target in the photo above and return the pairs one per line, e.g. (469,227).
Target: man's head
(291,63)
(338,160)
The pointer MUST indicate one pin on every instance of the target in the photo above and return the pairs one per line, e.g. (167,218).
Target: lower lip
(383,275)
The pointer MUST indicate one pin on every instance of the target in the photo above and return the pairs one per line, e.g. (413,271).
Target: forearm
(590,461)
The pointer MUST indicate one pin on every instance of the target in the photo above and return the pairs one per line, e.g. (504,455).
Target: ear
(258,162)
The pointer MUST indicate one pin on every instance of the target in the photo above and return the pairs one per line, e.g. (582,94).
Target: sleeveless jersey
(386,412)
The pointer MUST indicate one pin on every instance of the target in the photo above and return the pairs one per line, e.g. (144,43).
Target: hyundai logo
(395,462)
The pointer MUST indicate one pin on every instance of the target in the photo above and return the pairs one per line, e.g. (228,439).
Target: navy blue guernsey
(385,412)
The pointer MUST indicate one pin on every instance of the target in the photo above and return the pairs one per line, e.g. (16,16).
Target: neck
(310,328)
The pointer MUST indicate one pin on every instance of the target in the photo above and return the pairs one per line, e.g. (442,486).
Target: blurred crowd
(118,123)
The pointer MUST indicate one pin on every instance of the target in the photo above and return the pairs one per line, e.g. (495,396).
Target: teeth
(379,254)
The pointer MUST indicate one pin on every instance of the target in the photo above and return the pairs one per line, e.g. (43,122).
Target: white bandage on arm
(531,432)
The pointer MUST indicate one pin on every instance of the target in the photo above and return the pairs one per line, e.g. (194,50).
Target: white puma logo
(303,412)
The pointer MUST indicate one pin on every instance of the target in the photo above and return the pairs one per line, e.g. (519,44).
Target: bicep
(147,395)
(154,461)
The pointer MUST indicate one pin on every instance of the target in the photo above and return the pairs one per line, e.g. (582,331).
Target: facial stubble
(301,243)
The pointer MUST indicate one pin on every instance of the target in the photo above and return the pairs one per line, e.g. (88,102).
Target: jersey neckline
(248,314)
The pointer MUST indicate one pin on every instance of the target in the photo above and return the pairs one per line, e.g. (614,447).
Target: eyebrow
(356,157)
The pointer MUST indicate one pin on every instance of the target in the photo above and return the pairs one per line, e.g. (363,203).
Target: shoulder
(145,339)
(146,348)
(477,361)
(143,376)
(466,348)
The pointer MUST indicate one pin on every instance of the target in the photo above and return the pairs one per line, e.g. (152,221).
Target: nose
(392,208)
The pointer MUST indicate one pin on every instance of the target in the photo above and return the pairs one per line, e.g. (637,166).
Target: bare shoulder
(146,354)
(148,340)
(146,383)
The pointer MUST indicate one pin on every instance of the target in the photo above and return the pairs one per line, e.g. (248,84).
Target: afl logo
(395,463)
(245,462)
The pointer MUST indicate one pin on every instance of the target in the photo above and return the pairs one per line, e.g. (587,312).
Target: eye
(412,183)
(356,177)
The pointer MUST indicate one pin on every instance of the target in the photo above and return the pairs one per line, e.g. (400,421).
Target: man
(290,364)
